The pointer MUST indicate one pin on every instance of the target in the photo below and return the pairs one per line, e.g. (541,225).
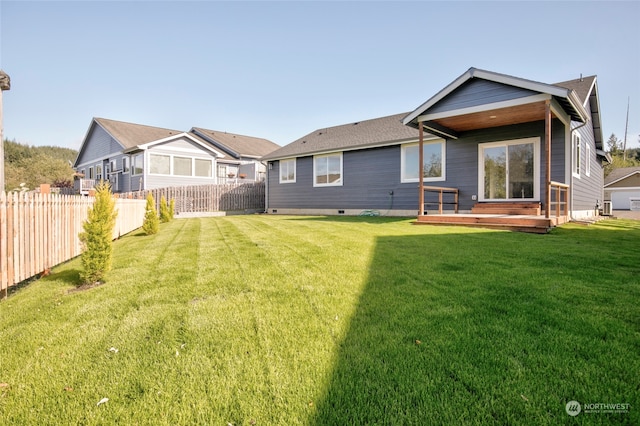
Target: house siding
(587,191)
(479,92)
(179,148)
(98,146)
(370,175)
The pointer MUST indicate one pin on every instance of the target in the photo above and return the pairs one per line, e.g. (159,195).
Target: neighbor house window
(576,155)
(327,170)
(91,175)
(203,167)
(587,167)
(159,164)
(137,164)
(222,171)
(433,165)
(182,166)
(98,172)
(125,164)
(288,171)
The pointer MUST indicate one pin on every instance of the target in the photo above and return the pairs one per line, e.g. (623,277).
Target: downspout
(571,163)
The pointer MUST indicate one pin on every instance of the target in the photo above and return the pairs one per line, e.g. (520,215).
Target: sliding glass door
(509,170)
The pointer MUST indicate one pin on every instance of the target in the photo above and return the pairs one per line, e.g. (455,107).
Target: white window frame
(289,162)
(151,155)
(587,154)
(403,162)
(576,153)
(316,158)
(98,171)
(195,161)
(536,167)
(181,157)
(125,164)
(133,164)
(172,168)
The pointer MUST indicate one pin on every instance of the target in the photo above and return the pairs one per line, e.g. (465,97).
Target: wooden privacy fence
(39,231)
(209,198)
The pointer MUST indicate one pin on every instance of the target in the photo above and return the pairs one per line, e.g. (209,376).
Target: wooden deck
(524,223)
(523,217)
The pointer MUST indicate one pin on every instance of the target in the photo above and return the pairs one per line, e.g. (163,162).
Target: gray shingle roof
(620,173)
(131,135)
(244,146)
(361,134)
(582,86)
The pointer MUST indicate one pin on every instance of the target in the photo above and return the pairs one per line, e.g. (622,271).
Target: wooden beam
(440,130)
(547,143)
(421,169)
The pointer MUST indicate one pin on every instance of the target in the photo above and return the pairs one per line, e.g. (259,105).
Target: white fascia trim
(624,189)
(560,113)
(622,178)
(148,145)
(498,78)
(485,107)
(438,96)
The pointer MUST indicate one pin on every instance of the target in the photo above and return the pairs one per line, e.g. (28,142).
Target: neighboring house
(242,153)
(137,157)
(622,188)
(484,136)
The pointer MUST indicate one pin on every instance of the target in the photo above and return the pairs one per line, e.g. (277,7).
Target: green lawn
(274,320)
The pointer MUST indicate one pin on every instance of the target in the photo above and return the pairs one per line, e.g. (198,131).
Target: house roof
(360,134)
(237,145)
(617,175)
(131,135)
(587,90)
(440,122)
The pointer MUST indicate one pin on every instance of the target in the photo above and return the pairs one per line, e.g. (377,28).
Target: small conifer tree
(172,207)
(97,238)
(151,221)
(165,215)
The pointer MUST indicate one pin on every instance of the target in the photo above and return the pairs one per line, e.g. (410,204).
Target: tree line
(621,157)
(26,167)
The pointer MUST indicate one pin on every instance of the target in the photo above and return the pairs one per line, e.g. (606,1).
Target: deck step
(511,208)
(513,223)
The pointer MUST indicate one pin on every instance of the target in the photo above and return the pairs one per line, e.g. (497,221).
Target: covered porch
(441,208)
(513,178)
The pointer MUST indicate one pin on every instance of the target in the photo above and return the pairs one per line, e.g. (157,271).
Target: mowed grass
(274,320)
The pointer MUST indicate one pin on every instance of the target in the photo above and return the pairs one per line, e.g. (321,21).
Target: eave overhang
(450,124)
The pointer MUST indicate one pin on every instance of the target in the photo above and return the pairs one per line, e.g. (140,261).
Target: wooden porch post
(420,170)
(547,140)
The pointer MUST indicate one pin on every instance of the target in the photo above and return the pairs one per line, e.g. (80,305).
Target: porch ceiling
(490,118)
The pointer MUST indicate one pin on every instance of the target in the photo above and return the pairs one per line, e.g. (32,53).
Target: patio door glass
(509,170)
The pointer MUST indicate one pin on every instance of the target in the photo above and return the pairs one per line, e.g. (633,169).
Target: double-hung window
(433,162)
(327,170)
(587,160)
(576,155)
(288,170)
(125,164)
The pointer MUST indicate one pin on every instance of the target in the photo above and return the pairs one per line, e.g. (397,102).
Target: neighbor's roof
(239,145)
(130,135)
(361,134)
(617,175)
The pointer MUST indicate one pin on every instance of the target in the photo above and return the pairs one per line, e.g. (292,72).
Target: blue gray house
(490,144)
(137,157)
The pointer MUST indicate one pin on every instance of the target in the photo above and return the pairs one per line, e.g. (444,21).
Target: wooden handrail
(441,190)
(560,188)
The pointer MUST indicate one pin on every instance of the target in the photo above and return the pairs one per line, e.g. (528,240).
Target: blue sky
(280,70)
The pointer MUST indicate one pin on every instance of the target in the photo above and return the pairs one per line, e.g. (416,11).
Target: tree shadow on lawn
(352,219)
(480,328)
